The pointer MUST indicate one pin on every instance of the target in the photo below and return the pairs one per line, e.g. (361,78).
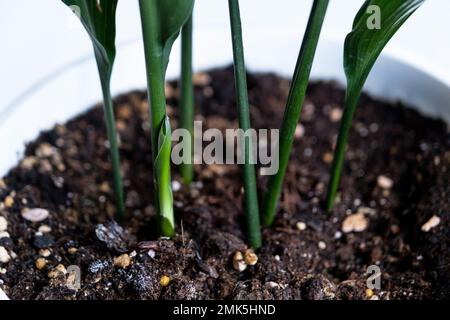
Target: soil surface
(393,210)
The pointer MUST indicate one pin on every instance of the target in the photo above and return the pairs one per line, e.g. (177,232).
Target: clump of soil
(393,211)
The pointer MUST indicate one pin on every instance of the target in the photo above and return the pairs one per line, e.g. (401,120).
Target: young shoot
(98,18)
(187,98)
(250,192)
(294,106)
(375,24)
(162,21)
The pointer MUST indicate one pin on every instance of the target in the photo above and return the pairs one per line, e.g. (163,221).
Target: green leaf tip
(375,24)
(98,18)
(163,179)
(166,18)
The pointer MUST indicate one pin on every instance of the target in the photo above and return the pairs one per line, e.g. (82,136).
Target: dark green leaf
(162,21)
(250,191)
(362,48)
(163,180)
(364,45)
(166,18)
(98,18)
(187,97)
(292,112)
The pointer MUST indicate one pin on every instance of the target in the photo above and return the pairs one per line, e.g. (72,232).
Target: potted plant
(101,229)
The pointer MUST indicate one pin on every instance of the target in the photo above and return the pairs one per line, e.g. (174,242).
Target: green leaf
(98,18)
(364,45)
(250,191)
(187,97)
(162,21)
(292,112)
(165,20)
(362,48)
(163,180)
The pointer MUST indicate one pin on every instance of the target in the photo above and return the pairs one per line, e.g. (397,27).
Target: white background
(40,37)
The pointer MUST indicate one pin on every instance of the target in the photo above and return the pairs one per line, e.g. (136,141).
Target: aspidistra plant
(98,17)
(187,98)
(361,50)
(294,105)
(250,192)
(162,21)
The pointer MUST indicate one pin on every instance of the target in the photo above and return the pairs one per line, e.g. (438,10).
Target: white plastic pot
(74,87)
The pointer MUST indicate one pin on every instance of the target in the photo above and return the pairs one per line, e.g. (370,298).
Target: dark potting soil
(393,210)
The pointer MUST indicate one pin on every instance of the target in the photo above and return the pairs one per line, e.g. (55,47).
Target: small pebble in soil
(395,229)
(8,202)
(301,225)
(369,293)
(307,152)
(122,261)
(13,254)
(104,187)
(3,224)
(114,236)
(4,255)
(194,193)
(322,245)
(337,235)
(430,224)
(198,184)
(44,229)
(355,223)
(44,241)
(327,157)
(250,257)
(45,150)
(59,270)
(72,250)
(238,262)
(374,297)
(151,253)
(164,281)
(45,253)
(385,182)
(272,285)
(4,234)
(317,288)
(201,79)
(299,131)
(71,281)
(35,215)
(176,186)
(40,263)
(97,266)
(335,115)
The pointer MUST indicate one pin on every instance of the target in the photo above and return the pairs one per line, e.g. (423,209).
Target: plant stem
(157,103)
(187,97)
(113,145)
(250,192)
(294,106)
(338,160)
